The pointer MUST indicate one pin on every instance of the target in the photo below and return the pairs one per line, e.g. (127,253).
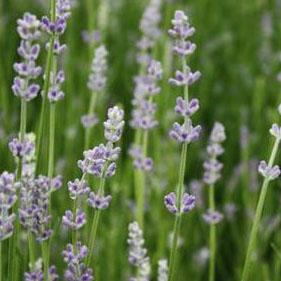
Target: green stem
(45,256)
(13,263)
(212,236)
(90,111)
(51,140)
(257,218)
(95,224)
(0,261)
(46,86)
(31,250)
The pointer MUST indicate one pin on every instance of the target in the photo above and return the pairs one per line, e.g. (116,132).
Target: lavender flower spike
(271,173)
(7,200)
(137,253)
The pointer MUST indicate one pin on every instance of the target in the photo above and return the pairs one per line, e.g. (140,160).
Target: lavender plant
(180,202)
(269,173)
(96,84)
(212,174)
(138,253)
(144,109)
(27,70)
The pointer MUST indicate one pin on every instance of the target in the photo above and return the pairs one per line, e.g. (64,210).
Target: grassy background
(238,53)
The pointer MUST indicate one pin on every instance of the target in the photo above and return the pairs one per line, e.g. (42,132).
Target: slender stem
(95,224)
(74,231)
(51,140)
(177,224)
(45,256)
(90,111)
(212,236)
(257,218)
(31,250)
(179,194)
(46,86)
(1,261)
(13,263)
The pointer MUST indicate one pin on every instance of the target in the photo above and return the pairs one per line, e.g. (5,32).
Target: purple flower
(55,94)
(212,166)
(137,252)
(77,188)
(113,126)
(74,222)
(275,131)
(271,173)
(97,78)
(186,132)
(183,79)
(188,202)
(76,269)
(99,202)
(140,161)
(91,37)
(212,217)
(8,198)
(185,108)
(89,120)
(170,201)
(21,148)
(28,27)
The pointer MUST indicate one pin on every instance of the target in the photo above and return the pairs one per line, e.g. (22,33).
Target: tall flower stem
(46,86)
(1,261)
(13,263)
(179,193)
(45,256)
(90,111)
(95,224)
(178,220)
(31,250)
(212,236)
(257,218)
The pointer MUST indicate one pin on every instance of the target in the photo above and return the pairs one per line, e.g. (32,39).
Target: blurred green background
(239,56)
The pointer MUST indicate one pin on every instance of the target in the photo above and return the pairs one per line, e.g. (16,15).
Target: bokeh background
(239,56)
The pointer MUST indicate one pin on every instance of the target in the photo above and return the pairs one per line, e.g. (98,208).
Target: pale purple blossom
(186,205)
(89,120)
(275,131)
(74,222)
(269,172)
(98,201)
(212,217)
(21,149)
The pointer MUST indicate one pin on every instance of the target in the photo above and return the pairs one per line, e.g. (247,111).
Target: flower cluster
(56,28)
(72,221)
(181,31)
(138,253)
(37,274)
(144,109)
(212,217)
(27,70)
(22,149)
(76,269)
(34,208)
(97,78)
(8,198)
(150,30)
(141,162)
(163,270)
(269,172)
(212,166)
(187,203)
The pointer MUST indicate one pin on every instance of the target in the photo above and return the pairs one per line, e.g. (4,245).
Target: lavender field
(139,140)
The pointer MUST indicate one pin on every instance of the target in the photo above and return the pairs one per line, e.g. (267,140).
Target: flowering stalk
(100,161)
(212,174)
(180,202)
(269,172)
(144,108)
(45,90)
(96,84)
(28,30)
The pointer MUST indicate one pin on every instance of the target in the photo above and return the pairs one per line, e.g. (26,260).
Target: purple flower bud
(170,202)
(77,188)
(183,79)
(72,222)
(271,173)
(89,120)
(28,27)
(21,148)
(185,133)
(275,131)
(212,217)
(188,202)
(99,202)
(185,108)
